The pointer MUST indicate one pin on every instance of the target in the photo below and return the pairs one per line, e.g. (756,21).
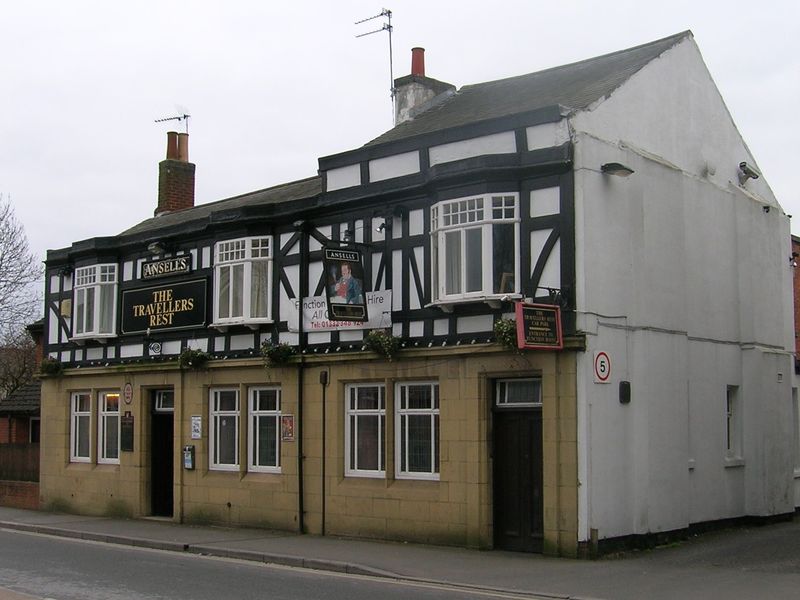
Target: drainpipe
(323,380)
(301,346)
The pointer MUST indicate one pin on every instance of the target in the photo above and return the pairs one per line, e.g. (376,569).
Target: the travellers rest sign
(539,326)
(176,306)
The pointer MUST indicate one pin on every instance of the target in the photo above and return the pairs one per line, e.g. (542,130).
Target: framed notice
(126,432)
(344,284)
(287,428)
(539,326)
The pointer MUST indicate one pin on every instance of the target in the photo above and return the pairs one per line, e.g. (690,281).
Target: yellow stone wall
(456,509)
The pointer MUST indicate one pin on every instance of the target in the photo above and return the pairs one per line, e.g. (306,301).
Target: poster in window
(287,428)
(344,284)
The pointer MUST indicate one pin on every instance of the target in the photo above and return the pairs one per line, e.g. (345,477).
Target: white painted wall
(684,279)
(496,143)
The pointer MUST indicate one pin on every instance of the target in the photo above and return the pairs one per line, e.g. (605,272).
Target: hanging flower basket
(51,366)
(381,341)
(505,333)
(193,359)
(276,354)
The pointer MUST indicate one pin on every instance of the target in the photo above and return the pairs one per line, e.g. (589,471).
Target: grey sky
(272,87)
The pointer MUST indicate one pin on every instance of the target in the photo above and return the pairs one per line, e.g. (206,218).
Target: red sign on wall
(539,326)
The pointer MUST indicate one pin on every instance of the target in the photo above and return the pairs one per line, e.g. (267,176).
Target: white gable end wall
(683,278)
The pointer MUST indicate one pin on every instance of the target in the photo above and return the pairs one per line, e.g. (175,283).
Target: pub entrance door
(517,465)
(161,452)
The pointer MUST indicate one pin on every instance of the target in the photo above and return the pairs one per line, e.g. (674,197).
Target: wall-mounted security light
(615,168)
(747,172)
(793,259)
(156,248)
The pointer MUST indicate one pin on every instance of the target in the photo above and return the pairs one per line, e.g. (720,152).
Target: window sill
(434,477)
(733,462)
(102,338)
(494,301)
(254,325)
(365,474)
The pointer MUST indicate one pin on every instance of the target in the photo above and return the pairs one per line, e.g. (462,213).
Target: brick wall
(19,494)
(175,185)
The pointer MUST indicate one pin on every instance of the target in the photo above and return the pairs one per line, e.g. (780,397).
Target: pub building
(501,324)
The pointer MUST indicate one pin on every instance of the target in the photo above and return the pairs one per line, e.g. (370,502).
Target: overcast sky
(272,86)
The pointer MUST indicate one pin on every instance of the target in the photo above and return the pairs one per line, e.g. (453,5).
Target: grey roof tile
(574,86)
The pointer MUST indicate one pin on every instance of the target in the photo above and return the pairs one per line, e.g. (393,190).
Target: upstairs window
(242,280)
(475,245)
(95,301)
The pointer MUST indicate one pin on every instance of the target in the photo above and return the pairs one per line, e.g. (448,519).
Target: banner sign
(539,326)
(344,281)
(315,314)
(176,306)
(167,267)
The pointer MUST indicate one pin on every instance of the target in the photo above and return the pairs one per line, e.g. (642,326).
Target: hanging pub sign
(175,306)
(539,326)
(344,283)
(167,267)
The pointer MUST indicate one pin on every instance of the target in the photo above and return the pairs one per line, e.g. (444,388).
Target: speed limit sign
(602,367)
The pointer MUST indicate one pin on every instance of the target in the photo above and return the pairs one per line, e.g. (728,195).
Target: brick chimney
(175,176)
(416,93)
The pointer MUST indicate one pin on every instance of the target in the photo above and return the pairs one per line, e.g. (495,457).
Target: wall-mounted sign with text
(166,267)
(344,281)
(315,314)
(177,306)
(539,326)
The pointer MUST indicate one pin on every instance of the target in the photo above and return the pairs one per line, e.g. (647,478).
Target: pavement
(740,563)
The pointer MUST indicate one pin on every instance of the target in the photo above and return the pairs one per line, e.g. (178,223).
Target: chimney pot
(172,145)
(418,61)
(183,147)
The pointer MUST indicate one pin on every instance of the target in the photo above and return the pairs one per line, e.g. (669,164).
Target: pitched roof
(23,400)
(574,86)
(296,190)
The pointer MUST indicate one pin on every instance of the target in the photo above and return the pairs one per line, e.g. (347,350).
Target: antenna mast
(179,118)
(387,26)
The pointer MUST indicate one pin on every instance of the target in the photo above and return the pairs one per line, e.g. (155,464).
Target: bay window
(242,280)
(95,299)
(475,244)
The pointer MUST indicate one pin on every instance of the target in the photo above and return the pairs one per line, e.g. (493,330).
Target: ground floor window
(417,428)
(224,429)
(108,428)
(264,431)
(365,427)
(80,422)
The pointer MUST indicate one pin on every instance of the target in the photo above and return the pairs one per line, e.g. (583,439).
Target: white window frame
(354,413)
(80,421)
(105,424)
(733,426)
(243,253)
(401,440)
(253,440)
(462,215)
(502,398)
(215,414)
(164,401)
(98,280)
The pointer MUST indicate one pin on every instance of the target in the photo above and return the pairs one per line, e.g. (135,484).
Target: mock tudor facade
(666,401)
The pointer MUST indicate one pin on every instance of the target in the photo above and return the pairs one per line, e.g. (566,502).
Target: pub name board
(539,326)
(176,306)
(167,267)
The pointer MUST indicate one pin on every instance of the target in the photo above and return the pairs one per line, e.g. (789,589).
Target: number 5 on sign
(602,367)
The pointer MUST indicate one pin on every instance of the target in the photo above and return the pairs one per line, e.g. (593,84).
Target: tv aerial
(184,117)
(386,26)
